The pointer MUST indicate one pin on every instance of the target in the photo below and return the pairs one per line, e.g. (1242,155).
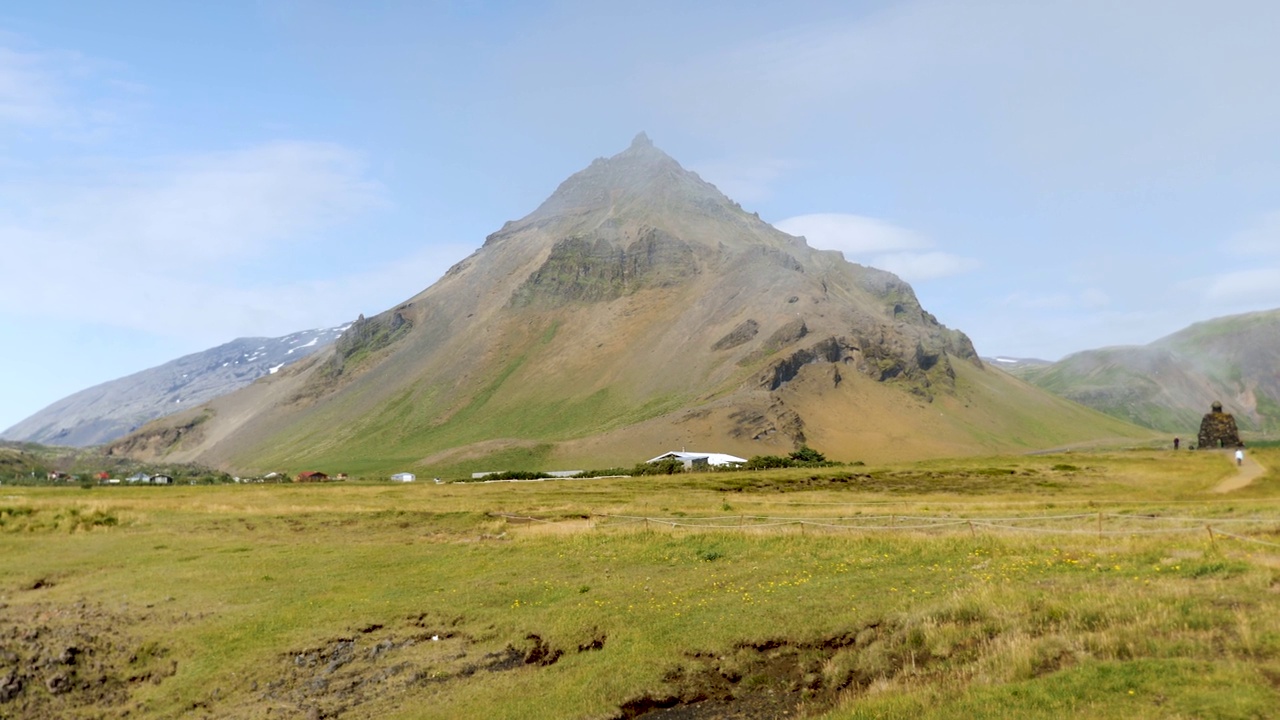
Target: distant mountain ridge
(1170,384)
(116,408)
(637,310)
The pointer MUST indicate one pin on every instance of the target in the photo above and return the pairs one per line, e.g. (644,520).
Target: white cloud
(1094,298)
(1262,237)
(178,214)
(877,243)
(747,181)
(209,312)
(917,267)
(1259,287)
(852,234)
(27,95)
(60,93)
(139,244)
(1090,298)
(1060,89)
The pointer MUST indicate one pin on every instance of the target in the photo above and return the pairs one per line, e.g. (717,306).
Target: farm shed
(700,459)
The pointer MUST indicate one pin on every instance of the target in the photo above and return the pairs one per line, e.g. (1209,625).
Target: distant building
(693,460)
(138,477)
(311,476)
(404,477)
(161,479)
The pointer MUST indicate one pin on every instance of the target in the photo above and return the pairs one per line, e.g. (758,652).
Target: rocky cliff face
(108,411)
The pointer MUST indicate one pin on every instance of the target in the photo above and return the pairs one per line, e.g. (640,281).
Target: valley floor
(1091,584)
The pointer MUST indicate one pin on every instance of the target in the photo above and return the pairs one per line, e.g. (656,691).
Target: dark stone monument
(1218,429)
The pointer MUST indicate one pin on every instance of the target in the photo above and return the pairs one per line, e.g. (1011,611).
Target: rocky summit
(637,310)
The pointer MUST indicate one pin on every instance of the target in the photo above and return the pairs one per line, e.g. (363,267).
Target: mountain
(636,311)
(113,409)
(1015,366)
(1170,384)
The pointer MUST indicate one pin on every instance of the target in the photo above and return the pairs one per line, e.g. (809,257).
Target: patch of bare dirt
(73,661)
(355,674)
(781,678)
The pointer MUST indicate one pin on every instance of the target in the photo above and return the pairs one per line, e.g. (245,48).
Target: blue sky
(1050,176)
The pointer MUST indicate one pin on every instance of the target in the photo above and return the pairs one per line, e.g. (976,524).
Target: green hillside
(1169,384)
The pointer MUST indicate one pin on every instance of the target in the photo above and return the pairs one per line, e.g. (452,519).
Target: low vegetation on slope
(1097,584)
(1169,384)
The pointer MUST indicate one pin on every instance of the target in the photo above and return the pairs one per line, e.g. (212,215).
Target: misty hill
(637,310)
(1170,384)
(115,408)
(1015,366)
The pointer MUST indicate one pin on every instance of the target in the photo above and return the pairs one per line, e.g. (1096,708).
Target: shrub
(806,454)
(666,466)
(765,462)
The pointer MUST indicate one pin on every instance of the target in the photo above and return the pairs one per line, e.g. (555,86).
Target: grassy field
(1107,584)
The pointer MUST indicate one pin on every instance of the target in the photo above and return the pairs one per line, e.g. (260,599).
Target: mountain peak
(642,177)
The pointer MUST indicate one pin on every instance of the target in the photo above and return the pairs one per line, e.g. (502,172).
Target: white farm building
(404,477)
(700,459)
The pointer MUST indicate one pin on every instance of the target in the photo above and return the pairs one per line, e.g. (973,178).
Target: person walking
(1239,457)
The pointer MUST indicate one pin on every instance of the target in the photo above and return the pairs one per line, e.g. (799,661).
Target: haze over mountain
(636,310)
(113,409)
(1171,383)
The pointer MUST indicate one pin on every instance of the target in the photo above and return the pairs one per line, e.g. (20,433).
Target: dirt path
(1247,473)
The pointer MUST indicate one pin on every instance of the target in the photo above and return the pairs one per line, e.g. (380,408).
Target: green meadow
(1111,584)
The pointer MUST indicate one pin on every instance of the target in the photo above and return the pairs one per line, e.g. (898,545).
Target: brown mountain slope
(636,308)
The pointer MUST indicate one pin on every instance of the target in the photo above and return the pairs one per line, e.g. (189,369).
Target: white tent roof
(712,458)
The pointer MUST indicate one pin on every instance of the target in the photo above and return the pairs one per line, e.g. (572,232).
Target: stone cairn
(1218,430)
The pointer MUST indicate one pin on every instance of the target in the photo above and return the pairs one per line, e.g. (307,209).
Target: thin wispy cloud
(1089,298)
(1253,287)
(1260,238)
(27,95)
(880,244)
(161,229)
(62,95)
(745,181)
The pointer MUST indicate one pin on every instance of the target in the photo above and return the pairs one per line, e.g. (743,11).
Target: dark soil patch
(378,663)
(778,678)
(73,661)
(975,481)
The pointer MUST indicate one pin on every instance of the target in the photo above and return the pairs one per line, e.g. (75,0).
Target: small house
(311,476)
(404,477)
(138,477)
(161,479)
